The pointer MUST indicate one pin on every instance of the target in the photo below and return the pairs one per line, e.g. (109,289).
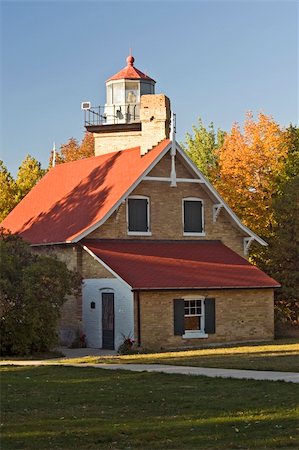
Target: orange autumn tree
(73,150)
(250,165)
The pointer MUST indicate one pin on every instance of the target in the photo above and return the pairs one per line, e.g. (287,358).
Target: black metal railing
(112,114)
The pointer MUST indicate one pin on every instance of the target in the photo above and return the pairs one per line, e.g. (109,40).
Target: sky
(213,59)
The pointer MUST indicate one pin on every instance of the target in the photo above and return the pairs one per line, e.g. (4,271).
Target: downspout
(138,319)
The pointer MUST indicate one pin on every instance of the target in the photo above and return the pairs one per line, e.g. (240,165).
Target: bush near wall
(32,290)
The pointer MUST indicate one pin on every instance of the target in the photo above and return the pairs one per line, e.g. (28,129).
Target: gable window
(138,215)
(193,218)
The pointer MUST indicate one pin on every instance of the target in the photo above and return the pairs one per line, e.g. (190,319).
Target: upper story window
(138,215)
(193,217)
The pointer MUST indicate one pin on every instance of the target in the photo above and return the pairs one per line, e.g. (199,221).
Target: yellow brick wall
(71,313)
(166,216)
(241,315)
(92,268)
(162,169)
(113,142)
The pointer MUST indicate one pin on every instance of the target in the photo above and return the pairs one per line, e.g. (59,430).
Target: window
(138,215)
(194,315)
(193,219)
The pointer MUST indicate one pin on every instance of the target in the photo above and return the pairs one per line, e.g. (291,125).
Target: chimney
(155,121)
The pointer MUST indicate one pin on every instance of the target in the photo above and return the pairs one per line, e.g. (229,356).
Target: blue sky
(214,59)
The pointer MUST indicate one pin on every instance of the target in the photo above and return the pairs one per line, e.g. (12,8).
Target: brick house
(162,256)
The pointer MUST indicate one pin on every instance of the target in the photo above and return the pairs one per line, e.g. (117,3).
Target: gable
(163,168)
(75,199)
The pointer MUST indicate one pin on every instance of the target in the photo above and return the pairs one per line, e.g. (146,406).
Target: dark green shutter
(193,216)
(210,316)
(179,317)
(138,220)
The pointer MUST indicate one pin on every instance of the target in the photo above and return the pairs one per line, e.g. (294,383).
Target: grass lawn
(278,356)
(86,408)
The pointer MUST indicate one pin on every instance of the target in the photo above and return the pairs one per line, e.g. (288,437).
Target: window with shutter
(194,317)
(138,215)
(193,218)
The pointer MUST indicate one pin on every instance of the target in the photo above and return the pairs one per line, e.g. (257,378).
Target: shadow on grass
(64,407)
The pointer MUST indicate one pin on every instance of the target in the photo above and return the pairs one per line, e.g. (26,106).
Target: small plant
(79,341)
(127,346)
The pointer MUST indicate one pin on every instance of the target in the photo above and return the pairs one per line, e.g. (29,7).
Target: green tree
(8,192)
(30,172)
(202,147)
(32,290)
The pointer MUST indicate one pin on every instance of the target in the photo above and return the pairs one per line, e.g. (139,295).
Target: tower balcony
(103,116)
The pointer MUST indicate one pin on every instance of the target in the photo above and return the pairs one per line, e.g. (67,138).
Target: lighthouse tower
(133,115)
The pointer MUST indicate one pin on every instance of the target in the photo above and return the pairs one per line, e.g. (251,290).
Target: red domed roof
(130,72)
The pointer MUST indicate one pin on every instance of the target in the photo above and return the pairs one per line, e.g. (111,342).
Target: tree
(30,172)
(8,192)
(73,151)
(250,165)
(283,251)
(32,290)
(202,147)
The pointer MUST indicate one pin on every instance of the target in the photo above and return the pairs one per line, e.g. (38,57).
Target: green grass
(278,356)
(85,408)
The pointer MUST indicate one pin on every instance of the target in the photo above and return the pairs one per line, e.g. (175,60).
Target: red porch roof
(179,265)
(73,197)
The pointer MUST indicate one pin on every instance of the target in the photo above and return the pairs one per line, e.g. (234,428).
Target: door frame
(110,292)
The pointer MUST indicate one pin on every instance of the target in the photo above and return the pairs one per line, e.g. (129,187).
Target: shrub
(32,290)
(126,347)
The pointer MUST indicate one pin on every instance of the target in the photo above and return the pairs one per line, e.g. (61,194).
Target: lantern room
(123,92)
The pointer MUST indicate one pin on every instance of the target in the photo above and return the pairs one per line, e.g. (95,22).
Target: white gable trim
(99,260)
(219,198)
(123,198)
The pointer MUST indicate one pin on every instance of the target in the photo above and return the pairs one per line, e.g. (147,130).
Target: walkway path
(184,370)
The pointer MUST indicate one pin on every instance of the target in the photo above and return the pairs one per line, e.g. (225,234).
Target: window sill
(139,233)
(194,335)
(187,233)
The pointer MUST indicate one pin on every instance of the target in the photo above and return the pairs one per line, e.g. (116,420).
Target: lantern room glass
(132,92)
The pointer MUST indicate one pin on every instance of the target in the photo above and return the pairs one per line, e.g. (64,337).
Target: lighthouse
(132,115)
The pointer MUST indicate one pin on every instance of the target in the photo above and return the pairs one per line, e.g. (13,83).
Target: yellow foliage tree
(250,164)
(72,150)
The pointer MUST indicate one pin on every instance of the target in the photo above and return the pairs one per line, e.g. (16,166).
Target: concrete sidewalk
(291,377)
(204,371)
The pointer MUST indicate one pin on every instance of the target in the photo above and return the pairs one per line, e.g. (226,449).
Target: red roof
(75,196)
(130,72)
(179,264)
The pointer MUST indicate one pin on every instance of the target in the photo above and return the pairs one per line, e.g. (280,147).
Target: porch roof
(148,265)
